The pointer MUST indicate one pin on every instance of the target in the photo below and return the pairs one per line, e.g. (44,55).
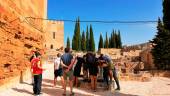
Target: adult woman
(93,69)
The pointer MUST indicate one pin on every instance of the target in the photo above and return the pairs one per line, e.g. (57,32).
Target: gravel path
(158,86)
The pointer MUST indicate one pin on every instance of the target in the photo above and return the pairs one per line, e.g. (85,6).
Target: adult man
(105,67)
(67,63)
(112,71)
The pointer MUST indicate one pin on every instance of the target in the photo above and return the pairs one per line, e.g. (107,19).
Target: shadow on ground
(80,91)
(22,91)
(48,81)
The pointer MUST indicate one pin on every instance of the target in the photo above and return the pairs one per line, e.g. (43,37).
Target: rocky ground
(158,86)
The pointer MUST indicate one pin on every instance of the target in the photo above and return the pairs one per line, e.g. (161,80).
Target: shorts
(85,67)
(68,74)
(93,70)
(77,72)
(58,72)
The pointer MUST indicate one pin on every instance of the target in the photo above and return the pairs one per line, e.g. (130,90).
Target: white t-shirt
(57,63)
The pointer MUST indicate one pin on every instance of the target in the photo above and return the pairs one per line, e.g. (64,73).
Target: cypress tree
(73,43)
(83,42)
(106,42)
(91,40)
(114,39)
(87,39)
(118,40)
(74,37)
(76,42)
(110,41)
(78,35)
(68,42)
(100,45)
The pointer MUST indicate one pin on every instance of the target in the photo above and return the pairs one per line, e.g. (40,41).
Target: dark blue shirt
(66,58)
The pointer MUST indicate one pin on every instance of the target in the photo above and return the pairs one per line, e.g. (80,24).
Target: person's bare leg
(84,74)
(95,83)
(62,82)
(76,81)
(54,81)
(65,83)
(71,85)
(111,75)
(92,82)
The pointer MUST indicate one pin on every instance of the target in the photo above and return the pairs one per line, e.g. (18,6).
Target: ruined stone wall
(147,59)
(113,52)
(18,35)
(132,53)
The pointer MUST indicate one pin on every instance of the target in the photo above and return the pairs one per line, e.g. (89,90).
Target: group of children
(69,66)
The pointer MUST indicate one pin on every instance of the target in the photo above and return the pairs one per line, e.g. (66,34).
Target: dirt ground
(158,86)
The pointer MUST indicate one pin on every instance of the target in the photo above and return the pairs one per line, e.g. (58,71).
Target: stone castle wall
(54,35)
(18,35)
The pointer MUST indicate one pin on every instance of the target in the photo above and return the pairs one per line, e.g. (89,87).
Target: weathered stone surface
(18,37)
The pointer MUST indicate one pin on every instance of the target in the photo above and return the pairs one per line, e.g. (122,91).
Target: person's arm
(73,61)
(54,65)
(62,64)
(39,65)
(39,62)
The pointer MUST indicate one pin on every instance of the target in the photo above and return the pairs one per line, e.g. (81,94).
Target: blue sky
(109,10)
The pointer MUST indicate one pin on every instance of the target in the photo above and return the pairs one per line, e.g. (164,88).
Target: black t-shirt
(79,63)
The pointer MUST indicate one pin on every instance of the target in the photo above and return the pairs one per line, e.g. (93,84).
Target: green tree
(166,14)
(161,41)
(83,42)
(78,35)
(73,43)
(74,37)
(100,45)
(159,50)
(68,42)
(110,41)
(114,39)
(76,42)
(87,39)
(106,42)
(91,40)
(119,40)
